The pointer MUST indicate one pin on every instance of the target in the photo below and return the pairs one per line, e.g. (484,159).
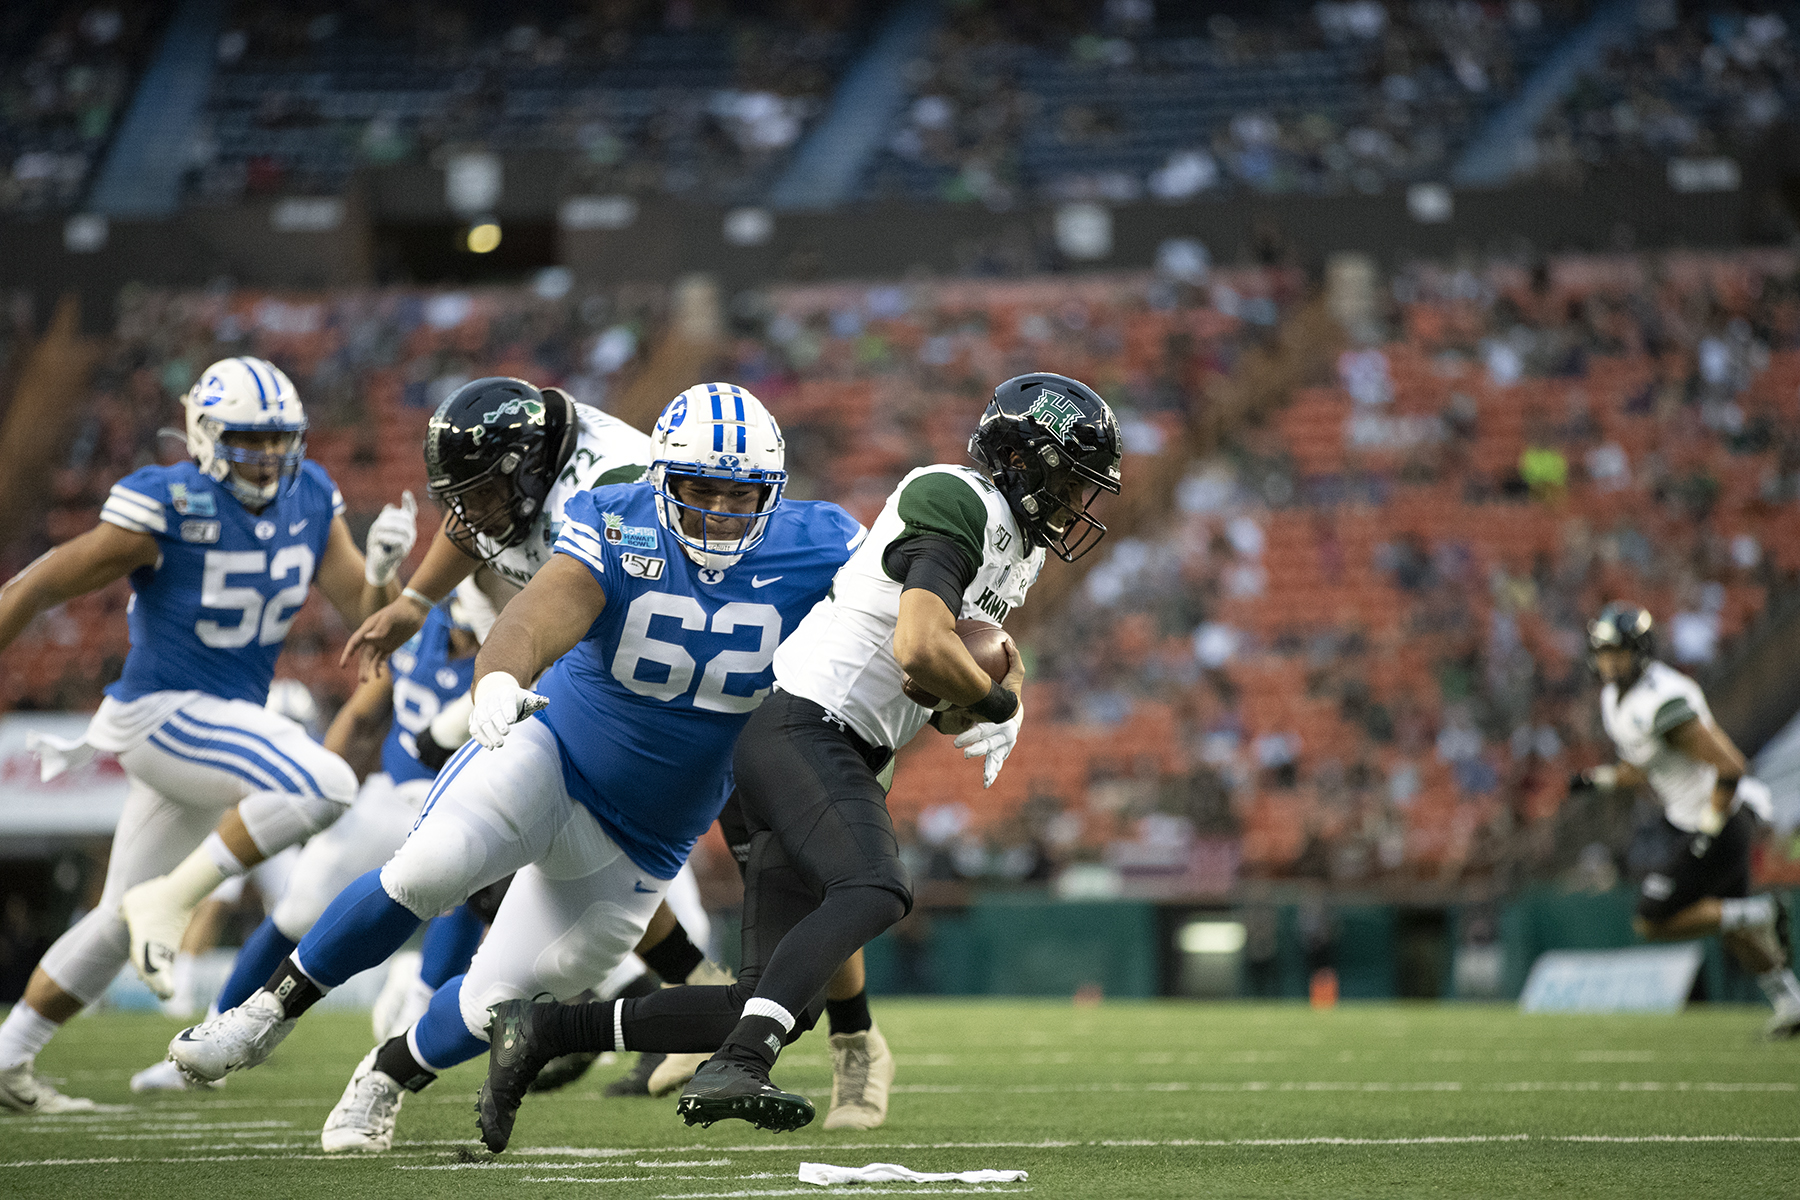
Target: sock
(24,1032)
(450,943)
(1749,912)
(850,1016)
(358,930)
(396,1060)
(1779,985)
(675,957)
(441,1039)
(228,863)
(263,952)
(291,986)
(200,872)
(579,1028)
(759,1035)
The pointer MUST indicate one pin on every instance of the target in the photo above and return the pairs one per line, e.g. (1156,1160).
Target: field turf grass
(1123,1100)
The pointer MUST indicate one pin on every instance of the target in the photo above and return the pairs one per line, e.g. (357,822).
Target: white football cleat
(673,1071)
(1785,1021)
(22,1089)
(363,1120)
(238,1038)
(165,1076)
(155,921)
(862,1071)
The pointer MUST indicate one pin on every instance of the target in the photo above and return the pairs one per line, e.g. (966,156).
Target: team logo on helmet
(1055,412)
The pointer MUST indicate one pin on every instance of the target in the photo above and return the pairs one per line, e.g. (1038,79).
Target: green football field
(1128,1099)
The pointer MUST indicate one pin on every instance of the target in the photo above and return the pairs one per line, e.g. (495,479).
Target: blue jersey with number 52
(648,704)
(212,613)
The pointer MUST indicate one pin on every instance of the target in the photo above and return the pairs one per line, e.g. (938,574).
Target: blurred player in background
(823,874)
(1666,738)
(222,551)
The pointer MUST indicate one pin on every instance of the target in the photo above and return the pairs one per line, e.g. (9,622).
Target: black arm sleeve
(934,563)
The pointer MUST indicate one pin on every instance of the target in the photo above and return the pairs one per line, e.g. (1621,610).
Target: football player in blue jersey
(660,611)
(221,552)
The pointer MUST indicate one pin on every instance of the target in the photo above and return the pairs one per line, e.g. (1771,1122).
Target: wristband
(997,706)
(419,598)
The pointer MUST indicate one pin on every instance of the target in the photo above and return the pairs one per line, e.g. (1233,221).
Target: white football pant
(204,756)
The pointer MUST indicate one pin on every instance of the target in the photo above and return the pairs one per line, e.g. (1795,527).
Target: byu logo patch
(265,530)
(200,531)
(642,565)
(710,575)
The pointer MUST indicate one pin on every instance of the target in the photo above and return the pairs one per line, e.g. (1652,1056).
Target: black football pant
(822,876)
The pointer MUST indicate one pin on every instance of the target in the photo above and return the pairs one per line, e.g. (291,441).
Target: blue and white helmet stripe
(244,395)
(719,431)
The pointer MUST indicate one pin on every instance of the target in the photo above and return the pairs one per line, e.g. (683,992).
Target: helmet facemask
(722,433)
(489,512)
(246,395)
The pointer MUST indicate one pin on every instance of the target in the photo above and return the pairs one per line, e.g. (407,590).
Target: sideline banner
(83,801)
(1643,979)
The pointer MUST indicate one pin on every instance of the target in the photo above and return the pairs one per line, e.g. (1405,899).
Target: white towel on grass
(824,1174)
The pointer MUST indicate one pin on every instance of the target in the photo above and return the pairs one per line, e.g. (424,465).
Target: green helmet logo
(1055,412)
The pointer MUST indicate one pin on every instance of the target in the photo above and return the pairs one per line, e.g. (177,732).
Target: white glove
(995,740)
(390,540)
(500,703)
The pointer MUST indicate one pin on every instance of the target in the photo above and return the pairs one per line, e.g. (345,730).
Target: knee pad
(436,868)
(277,820)
(589,950)
(85,959)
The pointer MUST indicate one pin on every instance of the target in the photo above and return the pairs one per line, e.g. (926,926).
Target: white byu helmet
(248,395)
(717,431)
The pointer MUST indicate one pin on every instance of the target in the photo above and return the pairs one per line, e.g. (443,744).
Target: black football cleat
(564,1070)
(513,1064)
(721,1090)
(636,1082)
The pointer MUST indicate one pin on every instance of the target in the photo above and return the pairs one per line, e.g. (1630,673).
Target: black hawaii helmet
(492,450)
(1622,626)
(1043,438)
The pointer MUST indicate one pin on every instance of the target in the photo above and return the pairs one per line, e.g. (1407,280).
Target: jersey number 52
(636,645)
(265,621)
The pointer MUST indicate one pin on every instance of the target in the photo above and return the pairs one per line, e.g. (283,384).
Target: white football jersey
(1638,724)
(607,450)
(842,655)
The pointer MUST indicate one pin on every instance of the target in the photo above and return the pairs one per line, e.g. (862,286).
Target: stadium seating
(1350,643)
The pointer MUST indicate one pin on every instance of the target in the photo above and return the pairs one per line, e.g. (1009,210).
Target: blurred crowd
(1700,80)
(677,97)
(66,73)
(1122,100)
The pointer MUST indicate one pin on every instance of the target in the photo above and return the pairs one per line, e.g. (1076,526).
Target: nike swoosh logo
(757,583)
(297,526)
(639,887)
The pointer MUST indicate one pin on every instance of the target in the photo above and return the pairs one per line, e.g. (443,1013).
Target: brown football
(986,643)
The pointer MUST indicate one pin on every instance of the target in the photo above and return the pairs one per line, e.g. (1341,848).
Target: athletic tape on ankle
(757,1006)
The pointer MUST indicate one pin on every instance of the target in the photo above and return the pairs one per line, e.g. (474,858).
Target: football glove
(995,740)
(391,539)
(500,703)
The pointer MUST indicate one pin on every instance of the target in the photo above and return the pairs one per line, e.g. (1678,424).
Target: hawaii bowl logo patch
(616,531)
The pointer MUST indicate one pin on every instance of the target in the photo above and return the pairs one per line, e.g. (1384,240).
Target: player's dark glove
(1579,781)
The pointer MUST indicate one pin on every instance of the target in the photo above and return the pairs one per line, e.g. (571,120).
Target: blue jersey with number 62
(211,614)
(648,704)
